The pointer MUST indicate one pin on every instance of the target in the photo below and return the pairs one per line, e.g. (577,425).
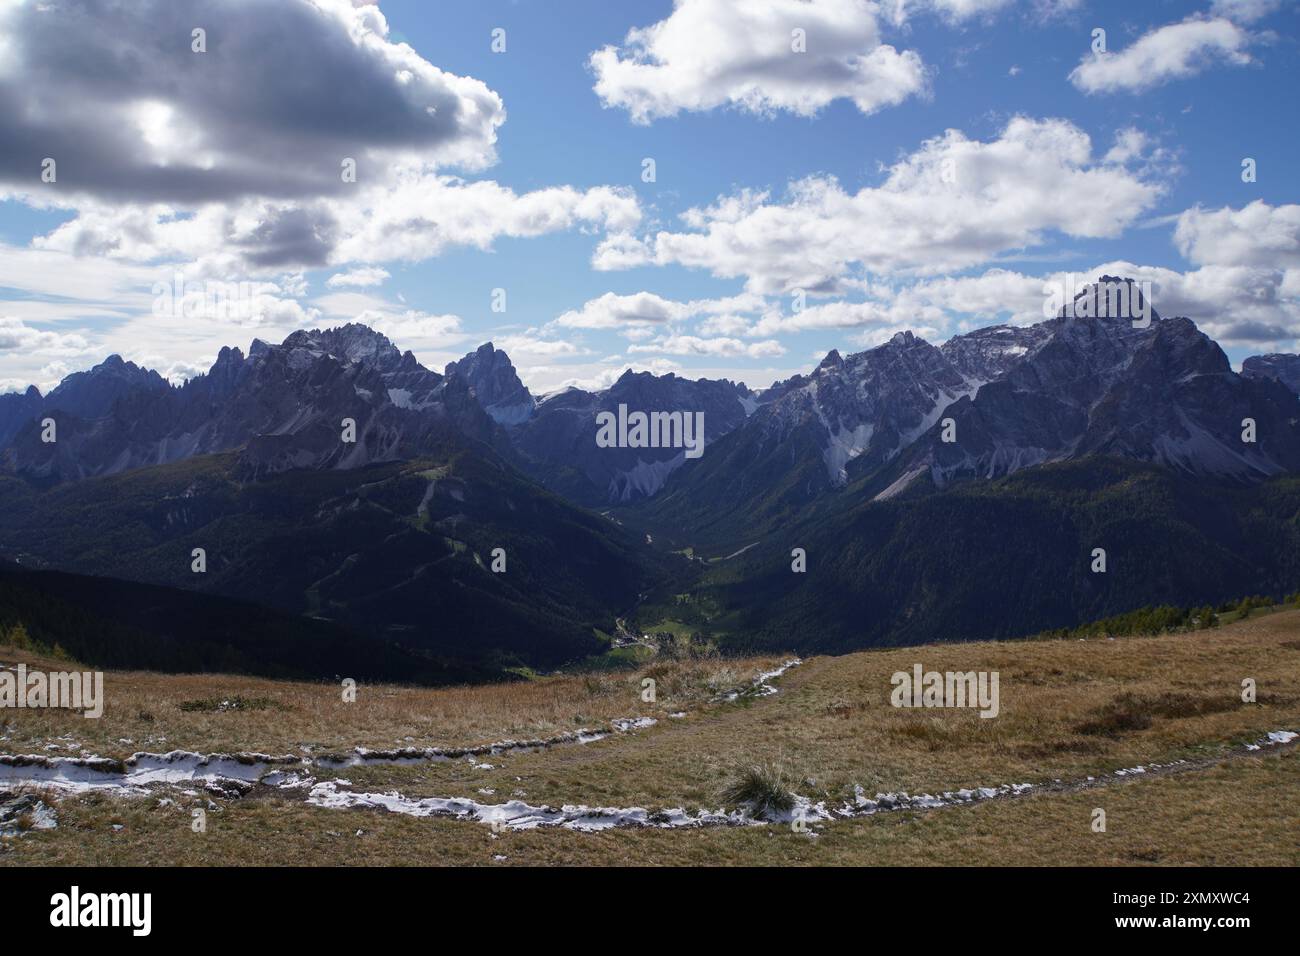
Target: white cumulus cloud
(954,203)
(711,53)
(1257,235)
(1167,53)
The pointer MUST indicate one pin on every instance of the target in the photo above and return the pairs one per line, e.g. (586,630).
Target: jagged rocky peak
(1111,378)
(229,359)
(1279,366)
(896,344)
(1121,298)
(91,393)
(16,409)
(724,403)
(560,439)
(833,359)
(281,405)
(986,354)
(224,375)
(353,343)
(113,367)
(495,383)
(1160,391)
(631,377)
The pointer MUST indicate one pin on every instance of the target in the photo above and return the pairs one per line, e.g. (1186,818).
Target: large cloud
(1245,291)
(232,159)
(613,311)
(711,53)
(1168,53)
(17,336)
(655,323)
(415,217)
(953,204)
(1258,235)
(285,92)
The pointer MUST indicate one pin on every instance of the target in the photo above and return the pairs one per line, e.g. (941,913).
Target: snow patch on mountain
(515,414)
(643,479)
(845,445)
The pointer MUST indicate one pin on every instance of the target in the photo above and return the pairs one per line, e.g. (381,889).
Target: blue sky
(1164,119)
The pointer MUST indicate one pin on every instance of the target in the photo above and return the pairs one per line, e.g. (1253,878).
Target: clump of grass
(934,733)
(762,788)
(1190,705)
(214,705)
(1123,714)
(839,708)
(685,647)
(596,685)
(720,680)
(1129,712)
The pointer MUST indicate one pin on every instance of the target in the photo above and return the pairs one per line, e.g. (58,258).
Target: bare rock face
(1086,382)
(557,445)
(286,406)
(495,385)
(850,416)
(1163,393)
(1280,367)
(16,410)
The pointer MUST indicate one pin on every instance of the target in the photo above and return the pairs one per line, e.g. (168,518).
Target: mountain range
(1065,389)
(334,476)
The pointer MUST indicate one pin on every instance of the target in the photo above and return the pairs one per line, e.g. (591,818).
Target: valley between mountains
(330,505)
(568,652)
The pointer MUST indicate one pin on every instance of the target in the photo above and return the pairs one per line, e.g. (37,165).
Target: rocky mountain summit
(1160,392)
(889,467)
(558,443)
(1085,382)
(1280,367)
(286,406)
(989,403)
(495,384)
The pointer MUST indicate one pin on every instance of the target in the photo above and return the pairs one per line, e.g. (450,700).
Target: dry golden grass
(1241,813)
(831,727)
(1069,709)
(147,711)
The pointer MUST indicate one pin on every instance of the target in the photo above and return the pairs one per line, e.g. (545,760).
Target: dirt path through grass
(1075,716)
